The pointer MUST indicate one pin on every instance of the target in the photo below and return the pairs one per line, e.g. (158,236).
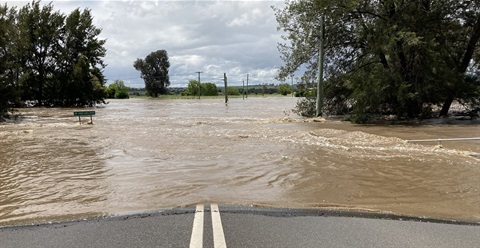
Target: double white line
(196,241)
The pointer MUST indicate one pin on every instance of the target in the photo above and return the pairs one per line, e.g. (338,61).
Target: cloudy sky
(235,37)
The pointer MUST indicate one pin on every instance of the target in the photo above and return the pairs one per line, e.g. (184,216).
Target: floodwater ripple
(145,155)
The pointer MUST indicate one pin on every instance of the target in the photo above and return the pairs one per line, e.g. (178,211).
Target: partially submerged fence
(440,140)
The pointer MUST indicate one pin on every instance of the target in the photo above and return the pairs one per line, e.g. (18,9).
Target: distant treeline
(49,58)
(259,89)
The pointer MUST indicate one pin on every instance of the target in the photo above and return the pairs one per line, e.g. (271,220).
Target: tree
(233,91)
(52,58)
(382,57)
(118,90)
(208,89)
(154,71)
(466,26)
(284,89)
(80,63)
(40,39)
(8,93)
(192,88)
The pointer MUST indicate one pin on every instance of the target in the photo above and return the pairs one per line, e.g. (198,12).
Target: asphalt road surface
(207,225)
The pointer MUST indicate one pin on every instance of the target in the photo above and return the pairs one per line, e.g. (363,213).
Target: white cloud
(236,37)
(247,19)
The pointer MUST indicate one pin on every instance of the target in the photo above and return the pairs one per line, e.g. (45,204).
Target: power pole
(320,68)
(243,89)
(247,85)
(292,85)
(225,89)
(199,72)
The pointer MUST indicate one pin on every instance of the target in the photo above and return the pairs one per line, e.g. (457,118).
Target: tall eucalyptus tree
(154,71)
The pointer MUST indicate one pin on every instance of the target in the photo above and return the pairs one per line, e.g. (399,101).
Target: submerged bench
(83,113)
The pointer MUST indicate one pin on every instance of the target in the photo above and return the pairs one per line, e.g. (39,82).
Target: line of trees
(49,58)
(387,57)
(210,89)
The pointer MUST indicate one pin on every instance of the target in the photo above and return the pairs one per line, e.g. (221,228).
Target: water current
(143,155)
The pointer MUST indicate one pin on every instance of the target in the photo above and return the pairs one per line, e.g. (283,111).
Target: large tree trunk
(470,49)
(446,105)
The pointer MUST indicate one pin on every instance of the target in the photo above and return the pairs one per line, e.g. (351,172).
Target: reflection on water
(145,155)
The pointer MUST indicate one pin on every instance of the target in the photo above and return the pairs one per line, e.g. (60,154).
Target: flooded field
(146,155)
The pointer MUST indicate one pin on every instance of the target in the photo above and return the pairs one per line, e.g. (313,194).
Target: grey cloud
(236,37)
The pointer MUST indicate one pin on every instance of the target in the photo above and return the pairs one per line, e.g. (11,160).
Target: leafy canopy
(386,57)
(284,89)
(154,71)
(206,89)
(50,58)
(118,90)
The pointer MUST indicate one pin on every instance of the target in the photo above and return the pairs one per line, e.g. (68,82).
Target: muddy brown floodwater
(145,155)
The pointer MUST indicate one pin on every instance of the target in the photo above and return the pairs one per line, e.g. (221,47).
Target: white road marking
(196,241)
(218,236)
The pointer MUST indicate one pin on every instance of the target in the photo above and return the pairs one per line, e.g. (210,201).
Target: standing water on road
(144,155)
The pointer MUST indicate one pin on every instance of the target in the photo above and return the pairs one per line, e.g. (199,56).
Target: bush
(304,93)
(284,89)
(122,95)
(306,107)
(118,90)
(233,91)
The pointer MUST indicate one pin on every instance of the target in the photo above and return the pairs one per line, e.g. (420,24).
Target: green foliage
(284,89)
(8,92)
(192,88)
(40,29)
(49,57)
(395,57)
(118,90)
(84,50)
(233,91)
(154,71)
(122,95)
(209,89)
(111,90)
(206,89)
(306,107)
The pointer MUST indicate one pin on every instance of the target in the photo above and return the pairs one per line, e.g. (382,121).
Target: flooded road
(146,155)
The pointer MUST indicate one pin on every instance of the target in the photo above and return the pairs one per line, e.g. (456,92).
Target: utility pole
(247,85)
(226,88)
(199,72)
(320,68)
(292,85)
(243,89)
